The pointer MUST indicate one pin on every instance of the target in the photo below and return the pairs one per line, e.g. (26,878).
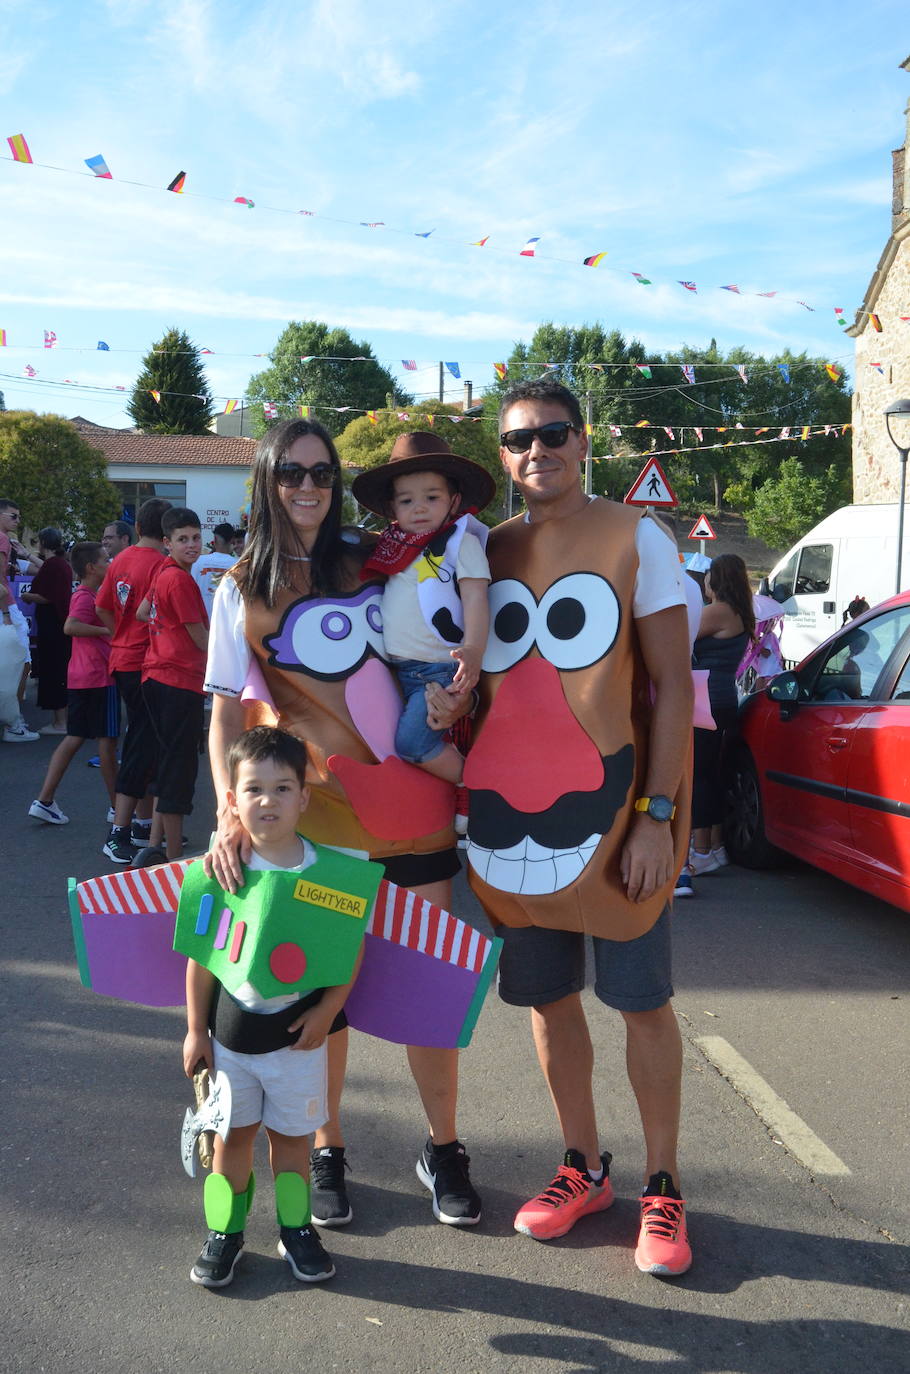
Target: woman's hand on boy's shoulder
(230,851)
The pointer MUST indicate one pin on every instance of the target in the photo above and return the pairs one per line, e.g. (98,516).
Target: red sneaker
(572,1194)
(663,1242)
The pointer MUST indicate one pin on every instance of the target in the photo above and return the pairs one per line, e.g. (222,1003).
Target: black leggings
(707,782)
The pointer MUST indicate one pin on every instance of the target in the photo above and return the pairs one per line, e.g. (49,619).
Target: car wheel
(744,828)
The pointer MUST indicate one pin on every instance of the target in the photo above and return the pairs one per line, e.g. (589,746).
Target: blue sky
(705,141)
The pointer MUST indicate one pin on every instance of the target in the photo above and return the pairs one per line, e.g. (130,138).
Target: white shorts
(285,1089)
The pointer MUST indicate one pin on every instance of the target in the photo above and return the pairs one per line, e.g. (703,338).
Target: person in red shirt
(172,678)
(125,586)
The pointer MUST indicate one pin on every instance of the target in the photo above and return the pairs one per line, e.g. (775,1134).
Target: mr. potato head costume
(561,752)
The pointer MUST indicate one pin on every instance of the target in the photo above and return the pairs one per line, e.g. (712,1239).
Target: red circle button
(287,962)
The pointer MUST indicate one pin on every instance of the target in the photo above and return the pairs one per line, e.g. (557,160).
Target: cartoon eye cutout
(329,637)
(577,621)
(513,611)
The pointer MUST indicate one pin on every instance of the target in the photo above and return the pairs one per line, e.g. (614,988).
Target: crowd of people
(341,668)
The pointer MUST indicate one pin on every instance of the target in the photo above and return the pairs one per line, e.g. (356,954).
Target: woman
(726,629)
(294,615)
(50,594)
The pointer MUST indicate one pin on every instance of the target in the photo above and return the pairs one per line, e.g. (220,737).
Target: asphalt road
(800,1224)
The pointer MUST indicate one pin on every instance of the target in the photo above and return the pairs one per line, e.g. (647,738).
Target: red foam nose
(531,749)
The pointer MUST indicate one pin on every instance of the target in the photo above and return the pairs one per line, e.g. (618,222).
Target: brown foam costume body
(322,660)
(561,751)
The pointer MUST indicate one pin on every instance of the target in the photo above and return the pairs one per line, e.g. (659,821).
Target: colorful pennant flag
(371,416)
(616,431)
(839,316)
(479,243)
(875,323)
(741,369)
(230,407)
(431,421)
(785,433)
(372,224)
(454,369)
(595,259)
(270,410)
(806,307)
(784,370)
(426,235)
(688,370)
(529,248)
(30,371)
(306,212)
(309,358)
(242,200)
(763,430)
(178,183)
(50,339)
(157,396)
(642,424)
(700,434)
(99,167)
(403,416)
(670,435)
(732,288)
(103,347)
(409,364)
(304,412)
(878,367)
(769,294)
(500,369)
(832,371)
(19,148)
(2,338)
(644,370)
(642,281)
(690,286)
(804,432)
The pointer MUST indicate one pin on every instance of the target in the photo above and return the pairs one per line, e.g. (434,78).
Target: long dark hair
(261,572)
(730,583)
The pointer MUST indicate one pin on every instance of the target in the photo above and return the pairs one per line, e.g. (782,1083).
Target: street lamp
(897,421)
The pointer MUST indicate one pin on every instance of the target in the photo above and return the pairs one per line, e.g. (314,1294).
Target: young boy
(125,585)
(434,607)
(93,705)
(172,676)
(212,566)
(283,1089)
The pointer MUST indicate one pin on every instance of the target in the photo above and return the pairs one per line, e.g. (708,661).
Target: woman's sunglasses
(553,435)
(294,475)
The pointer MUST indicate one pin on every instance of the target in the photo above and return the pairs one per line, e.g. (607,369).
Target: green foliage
(786,506)
(54,476)
(173,368)
(367,445)
(290,383)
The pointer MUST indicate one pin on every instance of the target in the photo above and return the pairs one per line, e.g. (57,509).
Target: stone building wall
(876,476)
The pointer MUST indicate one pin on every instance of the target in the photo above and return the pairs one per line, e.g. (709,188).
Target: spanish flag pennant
(431,421)
(371,416)
(875,323)
(157,396)
(230,407)
(480,243)
(500,369)
(19,148)
(178,183)
(804,432)
(642,424)
(833,372)
(2,338)
(304,412)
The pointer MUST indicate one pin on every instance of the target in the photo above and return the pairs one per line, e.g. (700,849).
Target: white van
(851,553)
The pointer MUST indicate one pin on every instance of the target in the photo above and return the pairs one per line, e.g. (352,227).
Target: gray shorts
(539,966)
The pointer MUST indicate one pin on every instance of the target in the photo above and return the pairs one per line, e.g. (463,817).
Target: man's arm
(199,634)
(647,856)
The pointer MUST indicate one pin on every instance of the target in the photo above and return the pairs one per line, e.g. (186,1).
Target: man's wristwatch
(658,808)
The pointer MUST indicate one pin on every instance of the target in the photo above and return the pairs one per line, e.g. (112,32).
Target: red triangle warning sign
(701,529)
(651,487)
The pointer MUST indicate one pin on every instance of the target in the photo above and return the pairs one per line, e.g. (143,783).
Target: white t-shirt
(658,585)
(404,628)
(208,570)
(246,994)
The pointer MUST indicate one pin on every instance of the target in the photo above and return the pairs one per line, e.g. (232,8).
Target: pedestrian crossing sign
(651,487)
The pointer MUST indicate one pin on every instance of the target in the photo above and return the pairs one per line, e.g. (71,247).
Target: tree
(326,386)
(54,476)
(367,445)
(174,369)
(786,506)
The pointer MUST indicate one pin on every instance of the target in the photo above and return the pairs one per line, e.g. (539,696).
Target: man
(209,568)
(117,536)
(578,812)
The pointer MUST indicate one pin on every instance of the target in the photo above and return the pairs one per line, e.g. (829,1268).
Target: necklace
(297,557)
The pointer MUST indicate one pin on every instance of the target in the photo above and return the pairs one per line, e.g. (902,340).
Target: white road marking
(802,1142)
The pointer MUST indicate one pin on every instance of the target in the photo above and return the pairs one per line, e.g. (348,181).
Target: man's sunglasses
(553,435)
(294,475)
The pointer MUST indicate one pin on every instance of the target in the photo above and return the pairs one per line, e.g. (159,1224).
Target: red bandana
(397,550)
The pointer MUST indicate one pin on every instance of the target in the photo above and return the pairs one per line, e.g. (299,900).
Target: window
(853,665)
(782,586)
(814,574)
(133,493)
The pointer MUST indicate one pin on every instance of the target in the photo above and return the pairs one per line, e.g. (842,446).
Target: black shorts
(178,720)
(93,712)
(418,870)
(139,748)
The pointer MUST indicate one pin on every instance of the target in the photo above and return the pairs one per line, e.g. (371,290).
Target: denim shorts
(539,966)
(415,741)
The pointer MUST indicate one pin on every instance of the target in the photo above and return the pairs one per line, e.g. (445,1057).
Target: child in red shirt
(172,677)
(93,706)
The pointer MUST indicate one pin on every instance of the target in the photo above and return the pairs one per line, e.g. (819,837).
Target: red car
(820,763)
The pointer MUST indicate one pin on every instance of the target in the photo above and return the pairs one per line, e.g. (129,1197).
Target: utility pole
(442,385)
(589,431)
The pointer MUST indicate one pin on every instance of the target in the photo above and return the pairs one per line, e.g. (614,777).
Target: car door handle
(836,741)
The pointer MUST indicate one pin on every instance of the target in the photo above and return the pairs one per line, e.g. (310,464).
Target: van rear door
(804,587)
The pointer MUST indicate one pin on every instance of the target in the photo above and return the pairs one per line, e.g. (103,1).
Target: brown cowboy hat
(421,451)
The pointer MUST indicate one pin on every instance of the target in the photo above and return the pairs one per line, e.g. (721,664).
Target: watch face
(660,808)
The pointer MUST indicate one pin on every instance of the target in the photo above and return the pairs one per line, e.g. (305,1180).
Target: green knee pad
(225,1210)
(292,1200)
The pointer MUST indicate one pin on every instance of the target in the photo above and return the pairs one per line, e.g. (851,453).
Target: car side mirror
(785,689)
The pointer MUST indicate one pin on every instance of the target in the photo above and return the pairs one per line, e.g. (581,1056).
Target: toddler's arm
(469,655)
(197,1044)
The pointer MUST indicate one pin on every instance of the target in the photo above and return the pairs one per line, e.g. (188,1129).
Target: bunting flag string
(98,169)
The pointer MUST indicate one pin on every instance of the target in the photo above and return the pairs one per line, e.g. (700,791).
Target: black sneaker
(139,832)
(149,857)
(445,1173)
(118,845)
(216,1264)
(328,1195)
(302,1249)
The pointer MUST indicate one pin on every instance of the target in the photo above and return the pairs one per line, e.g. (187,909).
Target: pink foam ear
(394,800)
(254,689)
(374,702)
